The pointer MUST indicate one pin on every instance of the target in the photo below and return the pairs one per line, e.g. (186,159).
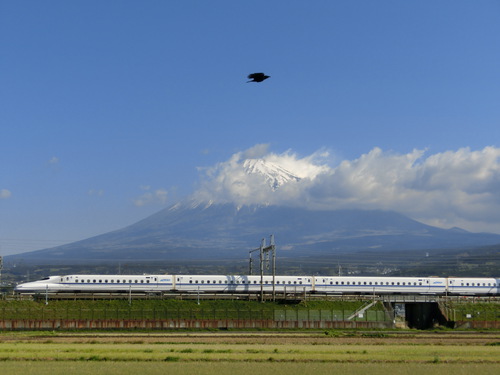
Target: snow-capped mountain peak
(274,174)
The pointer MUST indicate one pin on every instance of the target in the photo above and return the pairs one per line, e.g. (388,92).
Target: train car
(473,286)
(240,283)
(97,283)
(380,285)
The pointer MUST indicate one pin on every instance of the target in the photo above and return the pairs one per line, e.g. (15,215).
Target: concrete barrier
(75,324)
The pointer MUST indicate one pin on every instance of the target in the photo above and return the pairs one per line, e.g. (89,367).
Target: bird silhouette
(257,77)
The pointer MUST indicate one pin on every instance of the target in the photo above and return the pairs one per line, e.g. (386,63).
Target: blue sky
(113,110)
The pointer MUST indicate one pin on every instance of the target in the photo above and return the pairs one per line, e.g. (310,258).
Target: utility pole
(1,268)
(264,255)
(250,268)
(264,250)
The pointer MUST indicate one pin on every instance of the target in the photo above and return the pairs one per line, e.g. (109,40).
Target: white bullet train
(467,286)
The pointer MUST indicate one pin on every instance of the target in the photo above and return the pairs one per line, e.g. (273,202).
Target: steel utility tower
(264,255)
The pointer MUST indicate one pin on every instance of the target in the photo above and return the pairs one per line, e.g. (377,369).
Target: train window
(94,281)
(336,283)
(220,281)
(392,283)
(203,281)
(130,281)
(147,281)
(105,281)
(343,283)
(364,283)
(136,281)
(289,282)
(404,283)
(467,284)
(82,281)
(190,281)
(398,282)
(300,282)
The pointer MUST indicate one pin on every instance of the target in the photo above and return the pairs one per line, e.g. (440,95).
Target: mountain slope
(192,230)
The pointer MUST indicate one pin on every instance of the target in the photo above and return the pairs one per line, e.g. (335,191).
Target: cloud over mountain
(452,188)
(150,196)
(4,193)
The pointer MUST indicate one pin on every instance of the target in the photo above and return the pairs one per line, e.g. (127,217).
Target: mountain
(194,230)
(197,231)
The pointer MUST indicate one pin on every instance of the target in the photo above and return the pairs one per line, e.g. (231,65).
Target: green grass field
(256,353)
(212,309)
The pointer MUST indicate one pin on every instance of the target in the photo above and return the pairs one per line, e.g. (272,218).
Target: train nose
(26,287)
(19,288)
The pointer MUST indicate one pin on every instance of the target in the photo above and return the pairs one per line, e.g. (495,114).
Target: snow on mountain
(274,174)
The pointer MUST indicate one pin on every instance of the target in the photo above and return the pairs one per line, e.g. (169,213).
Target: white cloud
(229,181)
(4,194)
(158,196)
(96,192)
(452,188)
(54,160)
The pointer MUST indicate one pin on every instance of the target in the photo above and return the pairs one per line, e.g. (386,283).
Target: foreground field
(227,368)
(270,352)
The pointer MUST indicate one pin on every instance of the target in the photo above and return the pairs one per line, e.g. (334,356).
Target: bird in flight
(257,77)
